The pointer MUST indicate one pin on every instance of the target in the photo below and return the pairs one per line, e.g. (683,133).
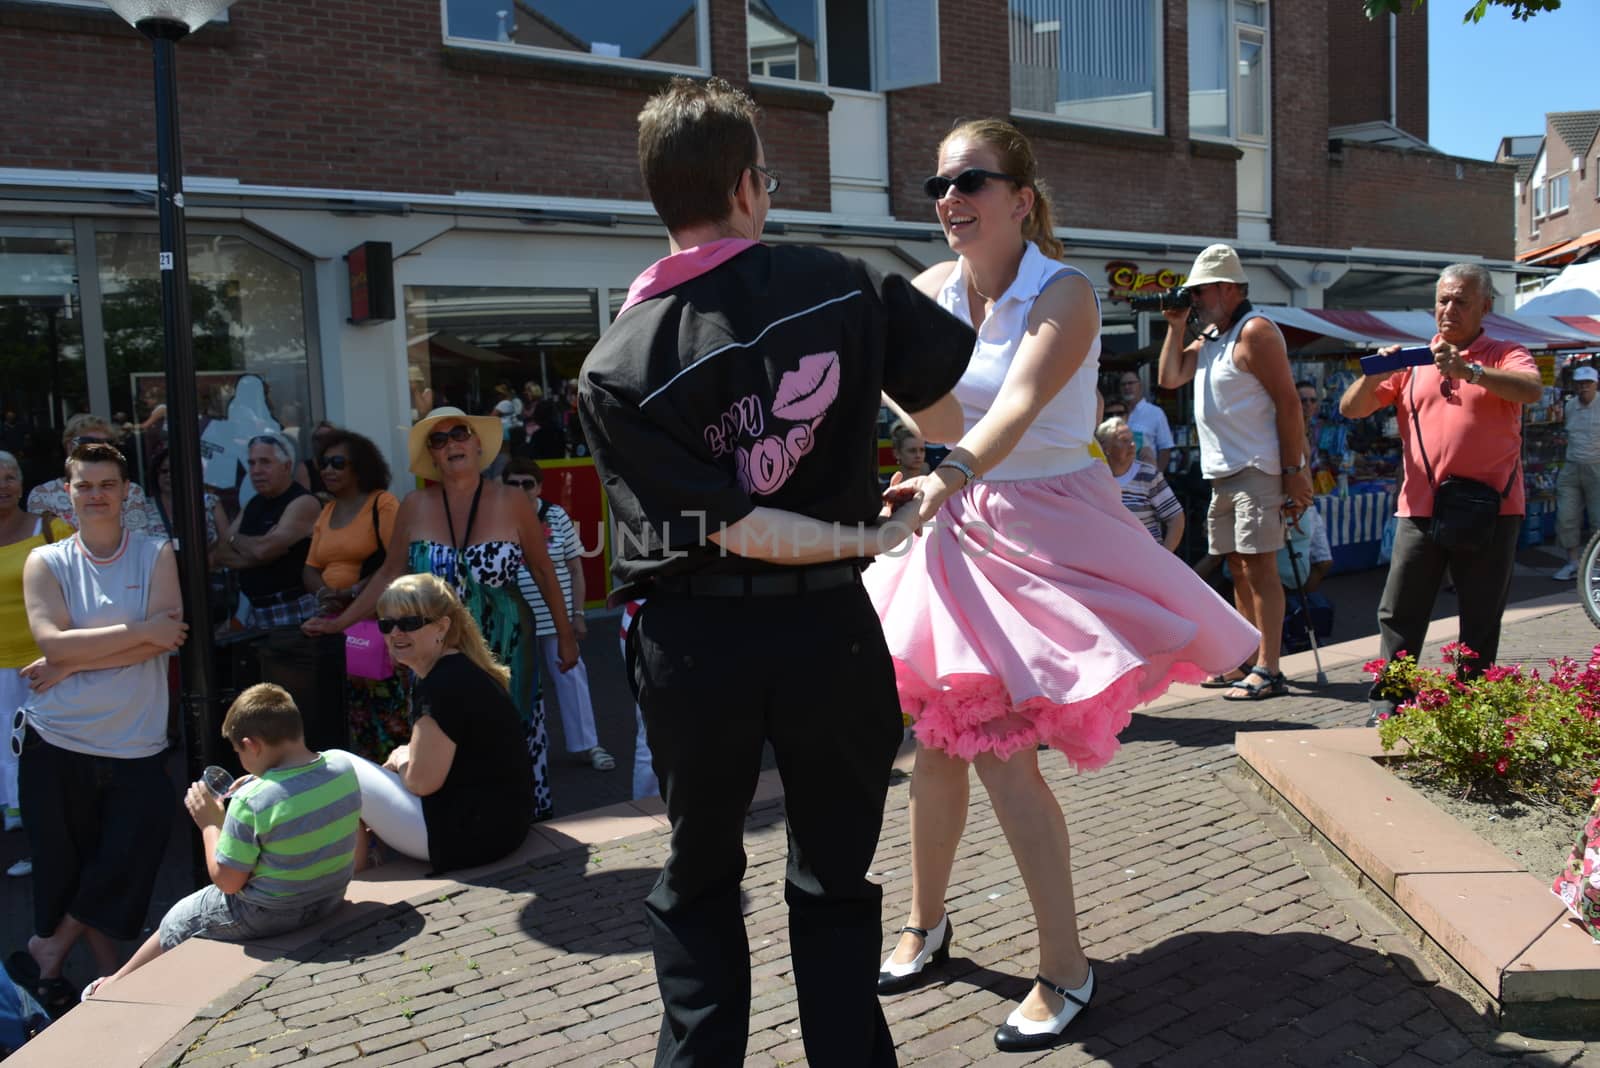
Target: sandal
(56,996)
(1223,682)
(1259,683)
(600,760)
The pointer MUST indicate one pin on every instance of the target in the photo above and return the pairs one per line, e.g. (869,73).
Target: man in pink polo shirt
(1459,416)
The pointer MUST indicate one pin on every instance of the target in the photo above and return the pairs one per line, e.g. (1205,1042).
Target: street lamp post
(165,22)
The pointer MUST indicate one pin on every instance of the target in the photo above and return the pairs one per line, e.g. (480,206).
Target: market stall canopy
(1575,291)
(1325,331)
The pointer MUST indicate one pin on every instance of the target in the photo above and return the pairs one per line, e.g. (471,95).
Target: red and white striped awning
(1325,331)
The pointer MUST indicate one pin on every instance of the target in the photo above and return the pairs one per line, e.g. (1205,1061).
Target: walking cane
(1305,606)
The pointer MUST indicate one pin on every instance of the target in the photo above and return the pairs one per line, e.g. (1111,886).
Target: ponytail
(1039,227)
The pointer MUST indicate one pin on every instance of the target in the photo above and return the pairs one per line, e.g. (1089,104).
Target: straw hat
(1217,263)
(487,427)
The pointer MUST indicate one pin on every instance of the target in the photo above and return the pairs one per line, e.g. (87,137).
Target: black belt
(787,583)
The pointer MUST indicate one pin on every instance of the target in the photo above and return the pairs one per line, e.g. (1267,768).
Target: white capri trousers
(393,812)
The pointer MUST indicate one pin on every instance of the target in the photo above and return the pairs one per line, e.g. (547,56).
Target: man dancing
(732,411)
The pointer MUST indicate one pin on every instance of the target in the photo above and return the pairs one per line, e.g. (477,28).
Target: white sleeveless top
(1057,442)
(110,712)
(1233,412)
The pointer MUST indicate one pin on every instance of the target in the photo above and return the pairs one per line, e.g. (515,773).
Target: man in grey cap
(1252,448)
(1578,484)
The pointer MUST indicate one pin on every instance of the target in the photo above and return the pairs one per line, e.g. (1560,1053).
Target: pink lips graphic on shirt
(803,398)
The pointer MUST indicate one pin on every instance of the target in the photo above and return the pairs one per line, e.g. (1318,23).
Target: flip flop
(1222,682)
(1259,684)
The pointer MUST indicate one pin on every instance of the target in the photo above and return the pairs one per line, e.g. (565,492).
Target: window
(1538,202)
(1558,196)
(1230,95)
(1089,61)
(823,41)
(666,33)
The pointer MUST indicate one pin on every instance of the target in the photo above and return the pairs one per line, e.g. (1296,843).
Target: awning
(1565,252)
(1325,331)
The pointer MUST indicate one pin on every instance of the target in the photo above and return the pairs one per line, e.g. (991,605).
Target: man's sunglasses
(522,483)
(89,439)
(440,438)
(338,463)
(967,182)
(773,178)
(405,623)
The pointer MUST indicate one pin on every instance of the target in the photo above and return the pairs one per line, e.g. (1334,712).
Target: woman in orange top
(347,545)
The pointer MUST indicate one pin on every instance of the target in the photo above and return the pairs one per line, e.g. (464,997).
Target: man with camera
(1461,499)
(1252,446)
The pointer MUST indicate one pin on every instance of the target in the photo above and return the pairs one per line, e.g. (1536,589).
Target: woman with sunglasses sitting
(476,534)
(460,793)
(347,548)
(51,498)
(159,475)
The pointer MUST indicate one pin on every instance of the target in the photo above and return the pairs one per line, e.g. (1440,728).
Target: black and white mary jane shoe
(1020,1034)
(894,977)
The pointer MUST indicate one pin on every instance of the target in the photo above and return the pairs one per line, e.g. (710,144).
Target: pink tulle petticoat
(1042,611)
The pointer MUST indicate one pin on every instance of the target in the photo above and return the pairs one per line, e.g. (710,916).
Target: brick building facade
(492,148)
(1557,193)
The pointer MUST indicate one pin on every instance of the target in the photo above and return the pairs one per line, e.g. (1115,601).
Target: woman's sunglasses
(440,438)
(967,182)
(408,624)
(338,463)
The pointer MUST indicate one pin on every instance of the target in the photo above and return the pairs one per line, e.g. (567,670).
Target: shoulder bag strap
(1416,428)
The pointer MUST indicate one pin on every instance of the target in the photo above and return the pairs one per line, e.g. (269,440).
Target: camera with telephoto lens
(1170,299)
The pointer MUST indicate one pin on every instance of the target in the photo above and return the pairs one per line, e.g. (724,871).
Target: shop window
(251,348)
(1088,61)
(658,33)
(471,345)
(1560,186)
(42,374)
(1229,92)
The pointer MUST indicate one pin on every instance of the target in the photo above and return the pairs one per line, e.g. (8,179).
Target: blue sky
(1498,77)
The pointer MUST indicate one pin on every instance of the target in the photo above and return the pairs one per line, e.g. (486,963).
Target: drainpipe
(1394,71)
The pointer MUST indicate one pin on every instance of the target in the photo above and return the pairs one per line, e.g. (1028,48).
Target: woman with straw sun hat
(475,534)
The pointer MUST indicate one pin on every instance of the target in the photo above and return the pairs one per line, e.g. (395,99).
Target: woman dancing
(1035,608)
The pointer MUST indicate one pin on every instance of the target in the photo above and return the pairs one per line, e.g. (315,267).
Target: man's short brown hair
(696,140)
(264,712)
(96,452)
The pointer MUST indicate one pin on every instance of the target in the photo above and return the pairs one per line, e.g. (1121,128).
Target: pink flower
(1383,715)
(1432,699)
(1502,766)
(1511,738)
(1495,674)
(1374,667)
(1464,652)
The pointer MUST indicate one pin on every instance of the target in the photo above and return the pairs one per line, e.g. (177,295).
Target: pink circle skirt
(1042,611)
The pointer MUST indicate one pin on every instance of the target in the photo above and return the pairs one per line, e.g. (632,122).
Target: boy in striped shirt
(281,854)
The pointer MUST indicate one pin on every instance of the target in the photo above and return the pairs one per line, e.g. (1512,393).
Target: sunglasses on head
(338,463)
(967,182)
(440,438)
(405,623)
(90,439)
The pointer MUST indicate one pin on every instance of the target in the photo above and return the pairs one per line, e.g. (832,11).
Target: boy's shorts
(209,913)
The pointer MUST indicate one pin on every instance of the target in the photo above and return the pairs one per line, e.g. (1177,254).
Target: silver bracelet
(957,465)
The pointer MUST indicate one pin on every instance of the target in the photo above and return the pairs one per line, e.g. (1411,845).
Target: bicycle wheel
(1589,579)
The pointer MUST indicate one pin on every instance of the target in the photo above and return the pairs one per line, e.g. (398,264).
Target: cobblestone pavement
(1220,935)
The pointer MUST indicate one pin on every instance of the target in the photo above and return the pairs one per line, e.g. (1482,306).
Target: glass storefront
(472,346)
(253,346)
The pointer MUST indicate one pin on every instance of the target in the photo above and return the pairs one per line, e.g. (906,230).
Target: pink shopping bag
(365,654)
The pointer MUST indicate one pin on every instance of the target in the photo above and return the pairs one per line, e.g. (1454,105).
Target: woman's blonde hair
(1106,430)
(85,421)
(899,434)
(428,596)
(1014,155)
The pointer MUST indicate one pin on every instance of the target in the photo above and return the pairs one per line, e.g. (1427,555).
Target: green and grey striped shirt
(294,830)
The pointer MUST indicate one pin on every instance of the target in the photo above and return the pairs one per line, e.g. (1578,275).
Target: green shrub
(1502,733)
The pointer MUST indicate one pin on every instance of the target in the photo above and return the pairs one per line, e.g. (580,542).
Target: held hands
(205,807)
(566,650)
(1447,358)
(41,675)
(166,631)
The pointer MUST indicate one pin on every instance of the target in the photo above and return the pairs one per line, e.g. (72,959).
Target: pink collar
(678,268)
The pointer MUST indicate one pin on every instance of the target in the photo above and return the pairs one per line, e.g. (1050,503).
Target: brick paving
(1220,936)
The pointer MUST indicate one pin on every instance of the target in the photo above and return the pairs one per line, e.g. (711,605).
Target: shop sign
(1128,279)
(1547,369)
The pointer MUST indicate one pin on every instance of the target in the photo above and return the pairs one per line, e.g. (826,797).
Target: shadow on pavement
(1210,993)
(1201,732)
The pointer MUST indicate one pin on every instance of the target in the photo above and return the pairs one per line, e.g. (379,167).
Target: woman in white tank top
(1034,608)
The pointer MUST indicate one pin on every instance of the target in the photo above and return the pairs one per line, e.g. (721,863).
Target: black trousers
(1417,568)
(312,670)
(716,678)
